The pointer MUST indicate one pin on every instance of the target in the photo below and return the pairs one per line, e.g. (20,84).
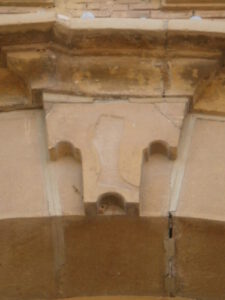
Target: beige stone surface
(27,260)
(69,184)
(90,75)
(184,4)
(110,75)
(49,258)
(138,9)
(211,96)
(43,20)
(111,138)
(155,27)
(200,268)
(21,177)
(41,3)
(202,190)
(186,27)
(31,185)
(117,256)
(118,8)
(126,64)
(116,76)
(124,298)
(12,90)
(186,73)
(155,187)
(121,88)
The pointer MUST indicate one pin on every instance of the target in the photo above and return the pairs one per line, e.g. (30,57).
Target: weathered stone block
(200,248)
(44,3)
(184,4)
(204,171)
(26,259)
(112,138)
(114,256)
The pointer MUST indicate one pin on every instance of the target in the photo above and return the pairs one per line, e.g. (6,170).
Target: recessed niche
(64,148)
(67,164)
(155,179)
(111,204)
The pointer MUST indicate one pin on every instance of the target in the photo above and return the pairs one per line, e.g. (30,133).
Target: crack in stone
(164,115)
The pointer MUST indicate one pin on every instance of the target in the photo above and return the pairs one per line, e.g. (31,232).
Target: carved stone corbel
(111,138)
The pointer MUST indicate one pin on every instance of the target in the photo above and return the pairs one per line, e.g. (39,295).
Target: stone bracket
(111,139)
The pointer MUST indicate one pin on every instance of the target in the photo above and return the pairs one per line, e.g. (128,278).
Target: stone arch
(64,148)
(163,148)
(111,203)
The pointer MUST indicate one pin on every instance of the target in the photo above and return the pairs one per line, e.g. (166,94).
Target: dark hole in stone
(111,204)
(158,148)
(170,226)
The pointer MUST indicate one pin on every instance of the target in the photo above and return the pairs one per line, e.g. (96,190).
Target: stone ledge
(185,26)
(69,25)
(8,20)
(185,4)
(40,3)
(125,298)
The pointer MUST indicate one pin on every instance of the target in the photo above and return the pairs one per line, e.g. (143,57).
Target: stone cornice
(32,3)
(26,22)
(185,4)
(40,50)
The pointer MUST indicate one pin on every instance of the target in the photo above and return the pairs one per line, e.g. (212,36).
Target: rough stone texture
(142,71)
(142,8)
(199,216)
(12,90)
(123,298)
(65,59)
(114,257)
(124,255)
(66,257)
(111,76)
(210,99)
(200,249)
(39,3)
(187,4)
(26,258)
(153,9)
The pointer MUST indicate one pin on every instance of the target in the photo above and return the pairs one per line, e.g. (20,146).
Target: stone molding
(27,3)
(52,47)
(184,4)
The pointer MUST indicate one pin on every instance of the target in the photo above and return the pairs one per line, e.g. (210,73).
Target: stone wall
(50,249)
(154,9)
(112,154)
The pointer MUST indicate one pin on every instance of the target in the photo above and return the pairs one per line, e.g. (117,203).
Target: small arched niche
(163,148)
(67,163)
(111,204)
(155,179)
(63,149)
